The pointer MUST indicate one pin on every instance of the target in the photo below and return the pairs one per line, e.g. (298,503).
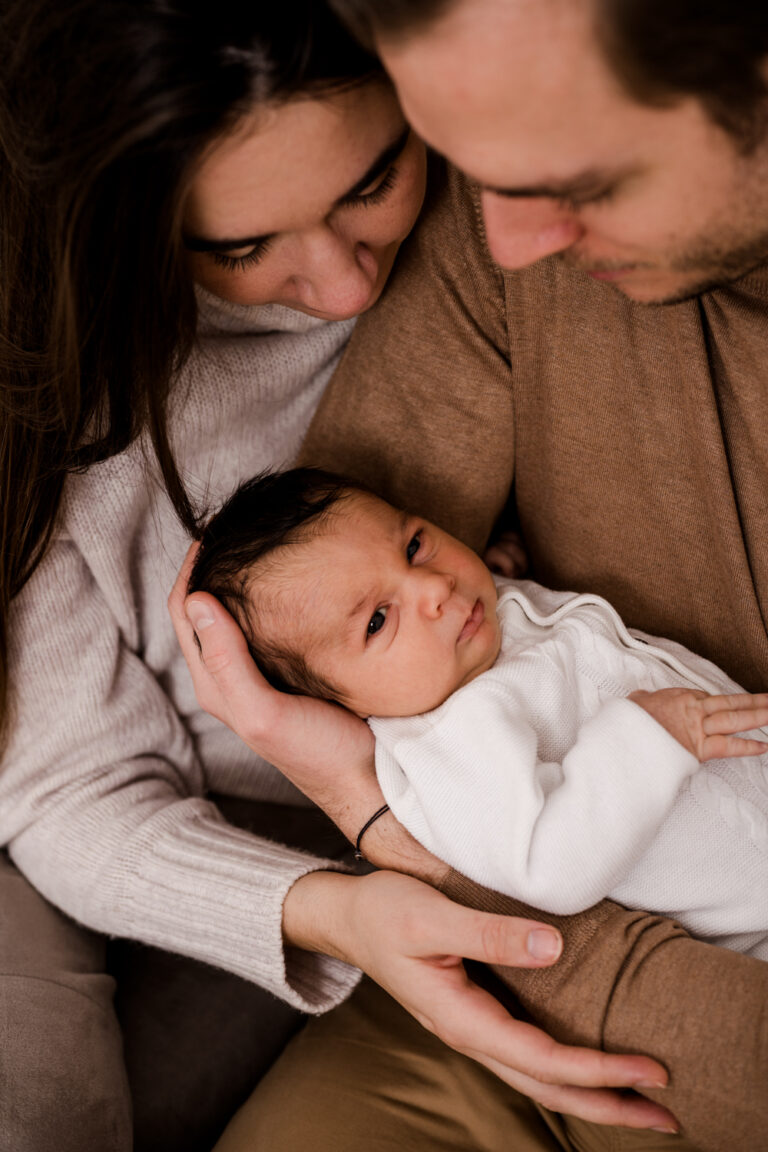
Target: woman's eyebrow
(379,165)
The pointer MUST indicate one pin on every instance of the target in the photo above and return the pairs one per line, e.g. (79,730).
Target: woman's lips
(474,620)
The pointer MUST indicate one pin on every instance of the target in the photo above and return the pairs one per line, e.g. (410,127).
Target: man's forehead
(524,76)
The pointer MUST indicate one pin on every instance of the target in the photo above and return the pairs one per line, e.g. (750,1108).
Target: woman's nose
(338,273)
(521,231)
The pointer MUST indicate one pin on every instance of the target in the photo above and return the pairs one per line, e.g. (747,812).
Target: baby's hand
(705,725)
(507,556)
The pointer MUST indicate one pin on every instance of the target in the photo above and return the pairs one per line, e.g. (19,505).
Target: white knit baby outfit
(541,780)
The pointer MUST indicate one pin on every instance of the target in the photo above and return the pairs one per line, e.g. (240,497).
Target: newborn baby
(526,737)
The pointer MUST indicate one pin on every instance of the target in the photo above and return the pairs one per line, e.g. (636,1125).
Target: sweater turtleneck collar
(216,315)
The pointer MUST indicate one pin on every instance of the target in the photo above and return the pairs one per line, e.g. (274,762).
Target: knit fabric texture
(539,779)
(103,789)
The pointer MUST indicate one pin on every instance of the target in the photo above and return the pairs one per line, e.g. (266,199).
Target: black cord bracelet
(358,853)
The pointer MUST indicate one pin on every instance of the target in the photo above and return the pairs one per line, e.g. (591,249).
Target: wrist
(388,844)
(315,911)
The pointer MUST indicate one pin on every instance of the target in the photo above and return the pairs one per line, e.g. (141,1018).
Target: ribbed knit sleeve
(103,809)
(426,374)
(103,786)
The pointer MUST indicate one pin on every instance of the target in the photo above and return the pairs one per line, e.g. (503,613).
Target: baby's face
(385,606)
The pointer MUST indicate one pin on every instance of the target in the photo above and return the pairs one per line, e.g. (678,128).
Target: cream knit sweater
(102,790)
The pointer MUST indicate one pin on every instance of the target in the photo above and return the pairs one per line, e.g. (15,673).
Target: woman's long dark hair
(105,107)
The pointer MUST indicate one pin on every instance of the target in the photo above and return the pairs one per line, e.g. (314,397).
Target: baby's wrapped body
(541,780)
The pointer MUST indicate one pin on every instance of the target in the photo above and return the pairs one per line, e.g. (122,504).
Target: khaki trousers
(367,1078)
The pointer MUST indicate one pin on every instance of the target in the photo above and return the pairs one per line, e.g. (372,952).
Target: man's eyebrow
(389,153)
(585,184)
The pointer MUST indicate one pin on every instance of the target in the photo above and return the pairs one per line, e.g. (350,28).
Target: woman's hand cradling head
(322,748)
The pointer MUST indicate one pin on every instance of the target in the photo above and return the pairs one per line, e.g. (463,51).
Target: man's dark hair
(272,511)
(661,50)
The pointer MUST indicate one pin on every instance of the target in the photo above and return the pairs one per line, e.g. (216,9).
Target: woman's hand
(411,940)
(322,748)
(405,935)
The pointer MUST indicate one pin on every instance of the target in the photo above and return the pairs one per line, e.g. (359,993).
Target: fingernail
(649,1084)
(667,1131)
(544,944)
(198,615)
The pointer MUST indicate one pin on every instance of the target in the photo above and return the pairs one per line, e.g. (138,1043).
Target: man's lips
(473,622)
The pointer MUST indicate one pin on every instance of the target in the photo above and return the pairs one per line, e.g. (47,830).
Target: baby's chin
(427,702)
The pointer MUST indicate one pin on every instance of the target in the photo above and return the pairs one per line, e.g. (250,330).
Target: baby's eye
(413,546)
(376,622)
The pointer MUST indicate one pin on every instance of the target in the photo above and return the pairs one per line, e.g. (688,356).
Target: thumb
(494,939)
(236,688)
(219,636)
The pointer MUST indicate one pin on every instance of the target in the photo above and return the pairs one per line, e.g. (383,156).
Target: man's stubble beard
(711,266)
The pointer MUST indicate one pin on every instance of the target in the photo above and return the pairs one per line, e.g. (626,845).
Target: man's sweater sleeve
(426,372)
(471,787)
(102,808)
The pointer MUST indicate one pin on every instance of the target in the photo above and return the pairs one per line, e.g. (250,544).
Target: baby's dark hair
(274,510)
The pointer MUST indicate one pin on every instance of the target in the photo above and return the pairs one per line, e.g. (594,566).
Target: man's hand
(411,940)
(705,725)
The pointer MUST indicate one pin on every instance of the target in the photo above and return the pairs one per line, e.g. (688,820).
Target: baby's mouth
(473,621)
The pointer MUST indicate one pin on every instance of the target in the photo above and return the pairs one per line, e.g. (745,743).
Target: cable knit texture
(540,780)
(102,791)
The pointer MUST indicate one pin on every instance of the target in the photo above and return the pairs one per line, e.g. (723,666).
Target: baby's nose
(436,588)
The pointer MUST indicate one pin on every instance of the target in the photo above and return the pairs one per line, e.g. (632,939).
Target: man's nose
(521,231)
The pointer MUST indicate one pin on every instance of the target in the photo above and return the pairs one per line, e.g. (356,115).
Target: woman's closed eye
(247,260)
(364,199)
(377,621)
(377,192)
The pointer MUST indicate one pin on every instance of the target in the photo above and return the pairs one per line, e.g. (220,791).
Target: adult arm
(422,409)
(102,801)
(403,933)
(625,980)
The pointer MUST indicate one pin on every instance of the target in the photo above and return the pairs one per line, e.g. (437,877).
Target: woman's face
(306,203)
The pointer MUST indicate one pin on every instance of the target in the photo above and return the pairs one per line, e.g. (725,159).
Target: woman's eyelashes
(240,263)
(377,194)
(259,251)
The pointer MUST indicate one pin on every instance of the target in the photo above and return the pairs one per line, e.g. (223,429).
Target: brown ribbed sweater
(630,444)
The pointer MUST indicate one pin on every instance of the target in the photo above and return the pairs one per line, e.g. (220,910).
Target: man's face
(386,607)
(659,201)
